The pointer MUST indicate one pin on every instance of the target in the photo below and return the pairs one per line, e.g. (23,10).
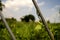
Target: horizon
(20,8)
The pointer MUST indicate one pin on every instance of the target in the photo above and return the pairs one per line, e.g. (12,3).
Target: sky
(20,8)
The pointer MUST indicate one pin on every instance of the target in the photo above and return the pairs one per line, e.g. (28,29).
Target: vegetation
(28,30)
(28,18)
(1,6)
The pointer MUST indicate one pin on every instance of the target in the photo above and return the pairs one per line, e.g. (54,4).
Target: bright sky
(19,8)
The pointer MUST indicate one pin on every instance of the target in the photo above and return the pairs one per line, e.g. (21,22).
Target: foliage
(31,17)
(48,21)
(28,18)
(29,30)
(1,6)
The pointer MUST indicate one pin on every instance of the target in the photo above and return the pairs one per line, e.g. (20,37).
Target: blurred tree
(48,21)
(10,19)
(1,6)
(27,18)
(13,19)
(22,18)
(31,17)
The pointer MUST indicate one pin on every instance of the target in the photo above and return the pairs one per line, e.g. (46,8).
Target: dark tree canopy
(27,18)
(1,5)
(31,17)
(48,21)
(11,20)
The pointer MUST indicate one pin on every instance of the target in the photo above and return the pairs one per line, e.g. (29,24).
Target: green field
(29,30)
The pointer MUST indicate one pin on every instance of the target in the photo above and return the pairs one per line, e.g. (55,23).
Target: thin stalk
(43,20)
(7,26)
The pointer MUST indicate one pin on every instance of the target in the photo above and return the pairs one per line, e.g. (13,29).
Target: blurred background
(22,18)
